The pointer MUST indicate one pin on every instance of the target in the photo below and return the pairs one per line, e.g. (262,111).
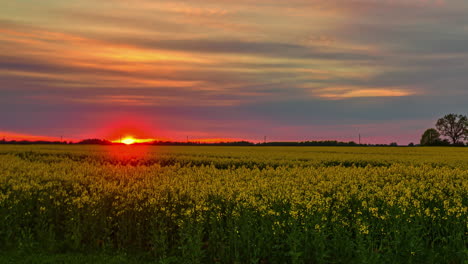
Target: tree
(95,141)
(454,127)
(431,137)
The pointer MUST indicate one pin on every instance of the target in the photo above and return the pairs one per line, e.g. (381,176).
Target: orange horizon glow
(8,136)
(129,140)
(128,136)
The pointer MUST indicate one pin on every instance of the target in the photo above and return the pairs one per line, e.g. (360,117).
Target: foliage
(431,137)
(95,141)
(454,127)
(237,204)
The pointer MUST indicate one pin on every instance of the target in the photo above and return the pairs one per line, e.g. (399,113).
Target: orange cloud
(356,92)
(192,10)
(82,61)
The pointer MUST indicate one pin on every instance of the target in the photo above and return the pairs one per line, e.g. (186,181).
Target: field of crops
(237,204)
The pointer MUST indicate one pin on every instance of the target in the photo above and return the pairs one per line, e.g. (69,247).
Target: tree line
(450,130)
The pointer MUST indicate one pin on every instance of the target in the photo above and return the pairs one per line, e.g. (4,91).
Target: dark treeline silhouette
(452,126)
(238,143)
(310,143)
(195,143)
(95,141)
(36,142)
(429,140)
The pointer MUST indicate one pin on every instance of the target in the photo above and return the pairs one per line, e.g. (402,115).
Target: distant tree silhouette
(95,141)
(454,127)
(330,143)
(430,137)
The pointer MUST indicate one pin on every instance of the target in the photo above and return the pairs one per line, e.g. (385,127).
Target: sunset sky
(290,70)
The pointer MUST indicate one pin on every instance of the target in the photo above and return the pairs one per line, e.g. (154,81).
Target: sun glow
(128,141)
(132,140)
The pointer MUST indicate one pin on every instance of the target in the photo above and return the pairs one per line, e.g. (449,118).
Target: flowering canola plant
(238,204)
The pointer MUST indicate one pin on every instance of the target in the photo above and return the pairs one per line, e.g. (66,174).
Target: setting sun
(131,140)
(128,141)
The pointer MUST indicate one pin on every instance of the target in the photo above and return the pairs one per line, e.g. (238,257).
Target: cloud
(270,49)
(358,92)
(231,67)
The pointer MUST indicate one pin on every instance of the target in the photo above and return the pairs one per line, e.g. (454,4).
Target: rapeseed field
(237,204)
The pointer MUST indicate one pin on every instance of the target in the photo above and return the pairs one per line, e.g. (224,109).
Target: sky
(209,69)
